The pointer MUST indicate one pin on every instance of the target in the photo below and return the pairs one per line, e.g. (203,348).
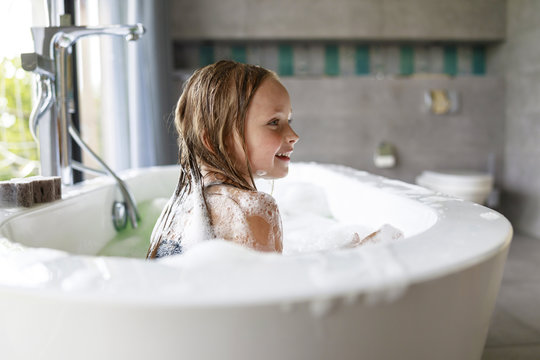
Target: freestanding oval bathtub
(427,296)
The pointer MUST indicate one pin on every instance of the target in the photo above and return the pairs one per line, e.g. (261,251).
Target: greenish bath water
(131,242)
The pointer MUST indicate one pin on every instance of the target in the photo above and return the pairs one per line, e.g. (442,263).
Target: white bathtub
(428,296)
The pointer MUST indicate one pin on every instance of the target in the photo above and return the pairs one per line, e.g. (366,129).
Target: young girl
(233,122)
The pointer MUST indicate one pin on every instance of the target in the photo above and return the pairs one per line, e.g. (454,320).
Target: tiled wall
(518,60)
(338,58)
(343,120)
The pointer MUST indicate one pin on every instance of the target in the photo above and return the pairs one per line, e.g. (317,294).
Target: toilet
(467,185)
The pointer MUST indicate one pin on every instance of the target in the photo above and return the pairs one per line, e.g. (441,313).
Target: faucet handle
(136,32)
(38,63)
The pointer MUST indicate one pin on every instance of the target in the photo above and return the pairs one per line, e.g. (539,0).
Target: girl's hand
(385,233)
(357,241)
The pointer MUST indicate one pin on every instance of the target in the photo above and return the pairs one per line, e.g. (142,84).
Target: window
(18,150)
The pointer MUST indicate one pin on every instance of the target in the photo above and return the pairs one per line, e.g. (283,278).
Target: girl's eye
(274,122)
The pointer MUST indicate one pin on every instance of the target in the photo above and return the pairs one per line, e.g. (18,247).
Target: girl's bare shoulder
(247,217)
(250,202)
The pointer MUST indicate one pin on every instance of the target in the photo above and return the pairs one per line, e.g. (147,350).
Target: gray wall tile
(428,19)
(523,16)
(345,19)
(312,19)
(518,60)
(203,19)
(521,196)
(522,53)
(347,127)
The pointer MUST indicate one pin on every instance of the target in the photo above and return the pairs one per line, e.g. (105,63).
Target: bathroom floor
(514,332)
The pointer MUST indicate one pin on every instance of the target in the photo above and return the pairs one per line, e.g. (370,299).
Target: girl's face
(269,137)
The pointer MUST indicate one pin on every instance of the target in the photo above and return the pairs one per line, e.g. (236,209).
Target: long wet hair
(210,119)
(210,115)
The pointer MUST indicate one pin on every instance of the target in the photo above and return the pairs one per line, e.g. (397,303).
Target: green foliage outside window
(18,150)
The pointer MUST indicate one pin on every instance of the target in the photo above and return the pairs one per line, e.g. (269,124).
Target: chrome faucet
(53,45)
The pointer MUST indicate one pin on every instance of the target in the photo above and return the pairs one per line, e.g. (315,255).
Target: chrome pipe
(45,101)
(86,169)
(132,210)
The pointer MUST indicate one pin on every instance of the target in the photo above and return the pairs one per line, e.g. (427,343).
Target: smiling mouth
(284,156)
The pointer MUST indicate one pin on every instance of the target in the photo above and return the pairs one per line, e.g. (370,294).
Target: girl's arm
(264,223)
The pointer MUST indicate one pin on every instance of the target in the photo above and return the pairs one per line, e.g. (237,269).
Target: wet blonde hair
(210,114)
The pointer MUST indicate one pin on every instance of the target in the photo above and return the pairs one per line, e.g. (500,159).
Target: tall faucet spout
(67,36)
(47,38)
(61,42)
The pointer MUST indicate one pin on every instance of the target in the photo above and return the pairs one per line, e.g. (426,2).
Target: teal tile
(450,60)
(406,64)
(239,53)
(464,54)
(362,60)
(479,60)
(331,60)
(206,55)
(286,60)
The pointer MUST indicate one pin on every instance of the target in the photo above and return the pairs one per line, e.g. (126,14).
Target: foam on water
(318,222)
(308,224)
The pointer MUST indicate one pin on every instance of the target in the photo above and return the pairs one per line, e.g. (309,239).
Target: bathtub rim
(356,294)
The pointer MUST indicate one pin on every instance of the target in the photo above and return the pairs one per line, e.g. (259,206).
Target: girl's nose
(292,137)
